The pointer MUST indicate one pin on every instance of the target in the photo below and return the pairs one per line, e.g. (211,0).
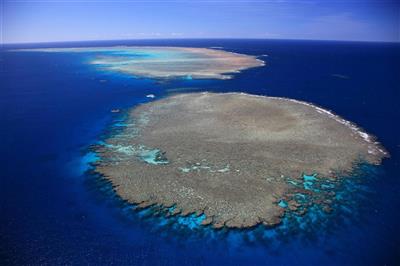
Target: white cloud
(337,26)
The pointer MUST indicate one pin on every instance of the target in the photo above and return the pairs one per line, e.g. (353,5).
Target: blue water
(54,211)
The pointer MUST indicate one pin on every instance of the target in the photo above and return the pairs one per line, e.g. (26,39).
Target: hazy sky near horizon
(75,20)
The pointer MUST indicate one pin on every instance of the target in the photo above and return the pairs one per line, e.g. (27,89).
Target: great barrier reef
(200,152)
(233,158)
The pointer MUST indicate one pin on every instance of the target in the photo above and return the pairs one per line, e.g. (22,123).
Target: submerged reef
(231,159)
(165,62)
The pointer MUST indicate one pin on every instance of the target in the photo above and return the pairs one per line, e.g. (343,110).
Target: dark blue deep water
(53,106)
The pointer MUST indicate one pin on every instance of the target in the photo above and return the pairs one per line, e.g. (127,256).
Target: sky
(77,20)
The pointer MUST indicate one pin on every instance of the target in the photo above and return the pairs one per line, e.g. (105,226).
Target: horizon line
(197,38)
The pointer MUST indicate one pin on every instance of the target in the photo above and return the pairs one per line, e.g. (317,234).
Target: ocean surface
(55,211)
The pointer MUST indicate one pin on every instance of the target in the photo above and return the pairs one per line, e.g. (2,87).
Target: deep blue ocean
(53,106)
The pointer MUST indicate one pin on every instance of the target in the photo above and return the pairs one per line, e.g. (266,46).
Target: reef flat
(165,62)
(231,158)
